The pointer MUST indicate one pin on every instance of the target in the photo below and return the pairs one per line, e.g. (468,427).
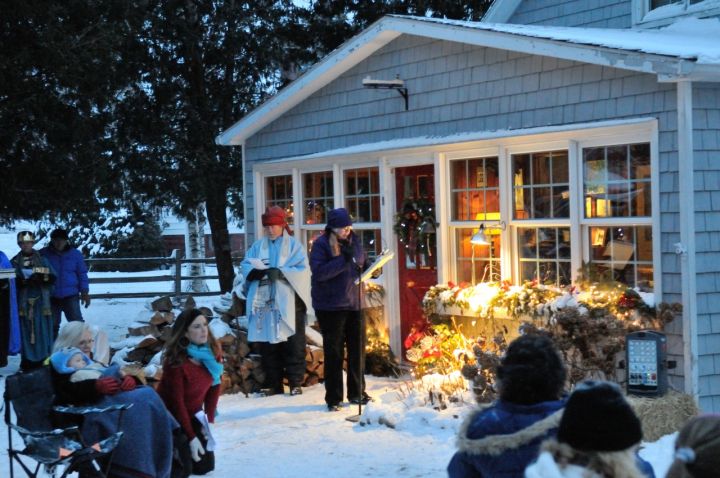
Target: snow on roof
(688,38)
(688,50)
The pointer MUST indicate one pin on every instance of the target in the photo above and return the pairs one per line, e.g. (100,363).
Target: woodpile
(147,335)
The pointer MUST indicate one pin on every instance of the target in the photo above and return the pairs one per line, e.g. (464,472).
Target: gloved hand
(347,251)
(256,274)
(128,383)
(85,299)
(274,274)
(107,385)
(196,449)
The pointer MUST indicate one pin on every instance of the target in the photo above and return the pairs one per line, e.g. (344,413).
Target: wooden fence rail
(174,262)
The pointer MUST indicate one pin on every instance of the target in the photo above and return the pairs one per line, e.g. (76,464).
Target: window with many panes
(617,184)
(613,215)
(362,194)
(279,192)
(475,196)
(541,192)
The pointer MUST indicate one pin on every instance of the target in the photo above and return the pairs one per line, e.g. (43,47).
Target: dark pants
(70,305)
(342,328)
(286,359)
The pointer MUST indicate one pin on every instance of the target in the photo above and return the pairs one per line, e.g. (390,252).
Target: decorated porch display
(588,322)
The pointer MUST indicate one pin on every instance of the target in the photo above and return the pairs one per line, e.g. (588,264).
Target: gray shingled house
(575,132)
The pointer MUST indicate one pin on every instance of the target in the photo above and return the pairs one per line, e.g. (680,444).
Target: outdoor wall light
(397,84)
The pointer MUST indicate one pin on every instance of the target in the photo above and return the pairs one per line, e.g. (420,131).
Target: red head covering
(275,216)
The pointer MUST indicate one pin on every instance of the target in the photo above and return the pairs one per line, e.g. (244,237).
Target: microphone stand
(361,336)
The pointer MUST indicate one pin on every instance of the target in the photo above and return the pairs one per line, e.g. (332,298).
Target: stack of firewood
(243,370)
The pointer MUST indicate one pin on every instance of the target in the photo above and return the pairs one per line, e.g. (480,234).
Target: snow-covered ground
(296,437)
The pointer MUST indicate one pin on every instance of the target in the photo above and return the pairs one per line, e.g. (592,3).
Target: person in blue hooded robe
(9,324)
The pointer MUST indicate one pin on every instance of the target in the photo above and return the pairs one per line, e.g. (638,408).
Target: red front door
(415,240)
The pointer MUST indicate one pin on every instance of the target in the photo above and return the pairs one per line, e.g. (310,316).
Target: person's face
(343,232)
(86,343)
(197,333)
(26,246)
(59,243)
(273,232)
(76,362)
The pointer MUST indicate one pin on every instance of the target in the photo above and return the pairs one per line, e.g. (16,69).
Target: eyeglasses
(82,343)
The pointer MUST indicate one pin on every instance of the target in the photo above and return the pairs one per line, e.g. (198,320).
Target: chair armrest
(46,433)
(91,409)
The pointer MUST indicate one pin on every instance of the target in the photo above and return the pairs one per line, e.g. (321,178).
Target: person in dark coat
(598,437)
(336,262)
(501,439)
(34,282)
(71,286)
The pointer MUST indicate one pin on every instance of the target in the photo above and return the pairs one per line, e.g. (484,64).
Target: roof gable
(673,53)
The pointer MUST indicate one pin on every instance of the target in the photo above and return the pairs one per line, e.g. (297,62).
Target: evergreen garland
(412,220)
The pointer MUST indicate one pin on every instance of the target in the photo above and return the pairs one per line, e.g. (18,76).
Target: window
(612,218)
(475,196)
(279,192)
(653,13)
(617,185)
(317,196)
(362,194)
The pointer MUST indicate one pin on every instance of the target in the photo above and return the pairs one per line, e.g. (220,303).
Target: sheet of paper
(202,418)
(380,260)
(257,263)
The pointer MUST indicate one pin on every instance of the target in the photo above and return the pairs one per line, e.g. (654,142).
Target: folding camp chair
(30,395)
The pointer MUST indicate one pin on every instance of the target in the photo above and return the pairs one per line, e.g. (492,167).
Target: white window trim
(643,17)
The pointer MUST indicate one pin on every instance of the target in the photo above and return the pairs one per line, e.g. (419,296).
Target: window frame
(644,17)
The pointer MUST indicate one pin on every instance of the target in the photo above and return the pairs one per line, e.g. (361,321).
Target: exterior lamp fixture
(397,84)
(480,239)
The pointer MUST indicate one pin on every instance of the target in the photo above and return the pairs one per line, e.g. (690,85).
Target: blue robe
(34,290)
(9,323)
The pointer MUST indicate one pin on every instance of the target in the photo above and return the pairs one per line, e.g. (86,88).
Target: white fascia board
(596,55)
(500,11)
(334,65)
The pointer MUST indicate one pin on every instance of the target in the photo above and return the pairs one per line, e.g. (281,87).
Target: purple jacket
(333,278)
(69,265)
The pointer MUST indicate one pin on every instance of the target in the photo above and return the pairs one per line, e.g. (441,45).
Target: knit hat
(60,359)
(274,216)
(598,418)
(59,234)
(339,218)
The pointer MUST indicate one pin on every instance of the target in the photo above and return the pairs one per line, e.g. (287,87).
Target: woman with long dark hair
(190,384)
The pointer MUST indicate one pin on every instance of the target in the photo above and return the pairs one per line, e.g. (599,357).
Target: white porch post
(686,248)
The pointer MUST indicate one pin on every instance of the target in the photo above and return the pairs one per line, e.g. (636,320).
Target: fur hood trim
(497,444)
(560,460)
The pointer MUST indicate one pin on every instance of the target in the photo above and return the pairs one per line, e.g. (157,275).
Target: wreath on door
(414,221)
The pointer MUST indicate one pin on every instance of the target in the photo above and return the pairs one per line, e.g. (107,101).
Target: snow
(401,434)
(689,38)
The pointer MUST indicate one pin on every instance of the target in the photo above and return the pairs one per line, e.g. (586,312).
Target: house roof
(686,50)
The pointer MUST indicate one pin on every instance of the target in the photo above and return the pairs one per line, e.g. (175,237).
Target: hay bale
(663,415)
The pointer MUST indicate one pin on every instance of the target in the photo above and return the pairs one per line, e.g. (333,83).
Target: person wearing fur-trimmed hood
(501,439)
(598,437)
(277,287)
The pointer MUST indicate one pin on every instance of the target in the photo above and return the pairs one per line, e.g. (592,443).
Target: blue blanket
(147,443)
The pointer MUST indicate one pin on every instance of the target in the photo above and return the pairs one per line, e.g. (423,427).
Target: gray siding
(457,88)
(706,142)
(574,13)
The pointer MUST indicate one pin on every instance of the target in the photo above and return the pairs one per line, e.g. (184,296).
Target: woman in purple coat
(336,261)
